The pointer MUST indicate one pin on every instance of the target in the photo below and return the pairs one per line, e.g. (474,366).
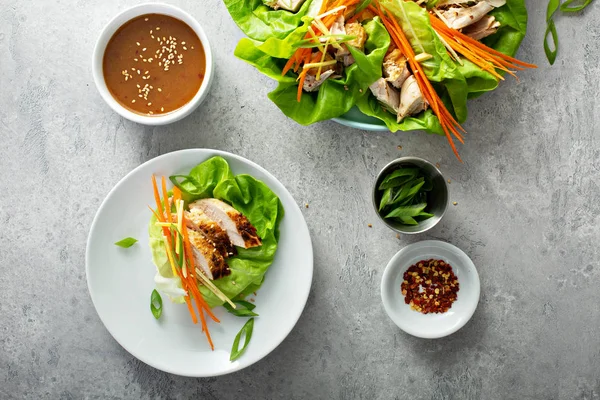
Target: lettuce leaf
(253,199)
(513,19)
(260,22)
(335,96)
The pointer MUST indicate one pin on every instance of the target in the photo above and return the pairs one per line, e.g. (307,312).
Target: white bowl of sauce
(153,64)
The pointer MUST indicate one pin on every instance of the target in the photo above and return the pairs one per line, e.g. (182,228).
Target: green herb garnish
(244,311)
(404,196)
(553,7)
(566,6)
(246,330)
(156,304)
(126,243)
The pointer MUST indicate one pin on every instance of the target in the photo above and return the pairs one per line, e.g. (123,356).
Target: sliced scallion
(156,304)
(246,331)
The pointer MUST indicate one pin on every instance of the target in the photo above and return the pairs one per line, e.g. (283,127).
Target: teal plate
(355,119)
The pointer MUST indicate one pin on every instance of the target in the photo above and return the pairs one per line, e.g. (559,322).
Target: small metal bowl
(437,198)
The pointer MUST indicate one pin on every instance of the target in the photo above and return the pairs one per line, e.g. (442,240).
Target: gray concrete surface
(527,214)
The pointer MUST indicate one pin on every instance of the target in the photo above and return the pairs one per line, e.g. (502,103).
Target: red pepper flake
(430,286)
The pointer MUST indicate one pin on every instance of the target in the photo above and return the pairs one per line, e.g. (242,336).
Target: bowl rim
(109,30)
(393,267)
(408,159)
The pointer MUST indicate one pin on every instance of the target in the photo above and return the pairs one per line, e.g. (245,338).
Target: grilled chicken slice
(461,17)
(395,69)
(206,256)
(198,221)
(240,231)
(311,83)
(485,27)
(338,27)
(386,94)
(290,5)
(411,99)
(352,29)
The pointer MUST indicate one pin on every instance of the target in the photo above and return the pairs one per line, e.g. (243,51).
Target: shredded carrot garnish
(483,56)
(189,282)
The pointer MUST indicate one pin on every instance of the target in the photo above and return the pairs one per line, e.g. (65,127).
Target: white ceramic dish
(108,32)
(120,280)
(430,326)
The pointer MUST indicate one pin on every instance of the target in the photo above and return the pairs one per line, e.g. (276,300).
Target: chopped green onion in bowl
(410,195)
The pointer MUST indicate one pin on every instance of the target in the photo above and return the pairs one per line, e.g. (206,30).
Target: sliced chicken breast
(206,256)
(386,94)
(395,69)
(352,29)
(411,99)
(485,27)
(311,83)
(240,231)
(200,222)
(461,17)
(290,5)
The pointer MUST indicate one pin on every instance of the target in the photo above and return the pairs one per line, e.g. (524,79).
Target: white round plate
(120,280)
(430,326)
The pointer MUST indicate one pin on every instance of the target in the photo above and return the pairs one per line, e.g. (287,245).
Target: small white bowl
(106,35)
(430,326)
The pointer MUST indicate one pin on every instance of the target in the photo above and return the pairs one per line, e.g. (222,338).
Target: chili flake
(430,286)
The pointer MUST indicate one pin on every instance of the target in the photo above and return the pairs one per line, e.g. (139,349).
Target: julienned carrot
(159,210)
(168,216)
(157,196)
(191,309)
(498,59)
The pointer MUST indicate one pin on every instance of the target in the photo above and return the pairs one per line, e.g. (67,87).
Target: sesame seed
(149,104)
(150,112)
(192,47)
(144,49)
(135,59)
(138,71)
(146,73)
(158,28)
(133,101)
(159,64)
(151,31)
(162,109)
(185,48)
(145,19)
(138,85)
(138,43)
(159,89)
(139,95)
(182,42)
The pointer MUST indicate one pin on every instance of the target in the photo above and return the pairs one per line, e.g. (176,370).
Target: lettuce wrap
(251,197)
(455,82)
(335,96)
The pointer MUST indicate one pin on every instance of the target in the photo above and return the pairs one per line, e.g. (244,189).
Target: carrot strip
(168,216)
(157,197)
(191,309)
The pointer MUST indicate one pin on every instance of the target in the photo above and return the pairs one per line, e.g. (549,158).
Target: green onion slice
(246,330)
(156,304)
